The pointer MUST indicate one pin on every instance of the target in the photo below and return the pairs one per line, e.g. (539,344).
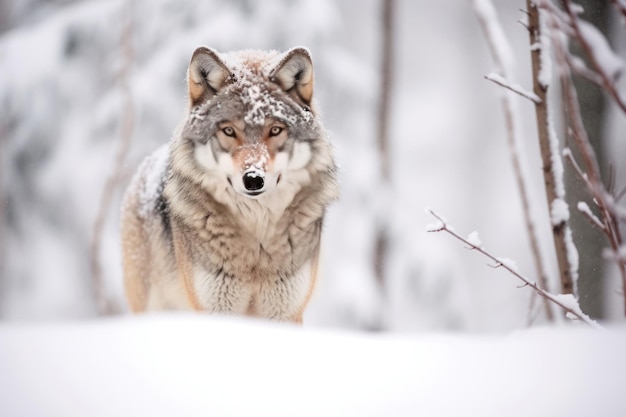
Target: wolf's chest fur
(234,221)
(252,243)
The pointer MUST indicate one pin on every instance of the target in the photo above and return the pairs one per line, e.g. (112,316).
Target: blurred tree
(381,244)
(588,238)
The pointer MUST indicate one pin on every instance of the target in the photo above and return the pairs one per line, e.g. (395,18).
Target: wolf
(227,217)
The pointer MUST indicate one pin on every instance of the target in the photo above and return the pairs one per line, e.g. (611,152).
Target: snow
(194,365)
(61,107)
(569,301)
(545,50)
(447,343)
(584,208)
(509,263)
(555,156)
(559,211)
(474,239)
(498,79)
(572,256)
(601,51)
(153,171)
(435,226)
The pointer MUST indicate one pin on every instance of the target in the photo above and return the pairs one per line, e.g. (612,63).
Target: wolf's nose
(253,180)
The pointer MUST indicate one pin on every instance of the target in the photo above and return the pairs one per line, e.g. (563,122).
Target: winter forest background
(77,75)
(402,319)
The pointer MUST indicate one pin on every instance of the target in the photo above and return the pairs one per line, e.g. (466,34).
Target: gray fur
(219,250)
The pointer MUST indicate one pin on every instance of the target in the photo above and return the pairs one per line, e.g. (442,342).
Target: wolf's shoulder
(146,187)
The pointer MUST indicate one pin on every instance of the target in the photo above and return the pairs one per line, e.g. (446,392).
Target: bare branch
(581,35)
(523,23)
(579,67)
(516,88)
(609,212)
(548,143)
(556,299)
(586,211)
(500,49)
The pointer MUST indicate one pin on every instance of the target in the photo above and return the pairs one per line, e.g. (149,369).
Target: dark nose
(253,180)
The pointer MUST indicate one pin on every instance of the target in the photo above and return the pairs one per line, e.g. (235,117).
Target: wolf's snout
(254,180)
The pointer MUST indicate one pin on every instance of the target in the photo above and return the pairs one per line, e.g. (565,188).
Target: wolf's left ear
(207,74)
(294,74)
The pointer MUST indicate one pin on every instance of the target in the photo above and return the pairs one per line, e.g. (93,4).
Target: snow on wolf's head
(251,122)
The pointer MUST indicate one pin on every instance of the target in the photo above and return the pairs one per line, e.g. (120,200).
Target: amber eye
(275,130)
(229,131)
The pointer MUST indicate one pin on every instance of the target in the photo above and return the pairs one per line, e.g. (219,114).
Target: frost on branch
(605,66)
(474,240)
(601,51)
(573,309)
(567,256)
(503,58)
(584,209)
(567,302)
(510,264)
(559,211)
(516,88)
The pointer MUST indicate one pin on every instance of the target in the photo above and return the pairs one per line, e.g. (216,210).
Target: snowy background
(61,107)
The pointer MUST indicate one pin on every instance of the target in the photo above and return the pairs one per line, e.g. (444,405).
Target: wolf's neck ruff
(245,188)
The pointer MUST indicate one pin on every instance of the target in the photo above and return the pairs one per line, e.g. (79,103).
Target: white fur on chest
(272,298)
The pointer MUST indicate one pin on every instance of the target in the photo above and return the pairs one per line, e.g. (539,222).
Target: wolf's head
(251,126)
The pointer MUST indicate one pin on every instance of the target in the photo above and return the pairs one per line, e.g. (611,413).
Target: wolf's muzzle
(254,181)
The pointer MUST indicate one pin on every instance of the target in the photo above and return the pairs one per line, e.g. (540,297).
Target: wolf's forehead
(250,62)
(260,99)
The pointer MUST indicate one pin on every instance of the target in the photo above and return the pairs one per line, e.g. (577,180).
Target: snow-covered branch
(502,54)
(607,66)
(586,211)
(567,302)
(516,88)
(566,253)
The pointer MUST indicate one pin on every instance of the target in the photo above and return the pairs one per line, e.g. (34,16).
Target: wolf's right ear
(294,74)
(206,75)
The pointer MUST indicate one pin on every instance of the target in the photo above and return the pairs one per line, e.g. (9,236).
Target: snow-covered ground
(193,365)
(456,350)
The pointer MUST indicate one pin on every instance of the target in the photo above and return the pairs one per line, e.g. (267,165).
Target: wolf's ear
(294,74)
(207,74)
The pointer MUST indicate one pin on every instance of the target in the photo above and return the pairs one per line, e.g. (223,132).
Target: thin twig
(580,68)
(502,82)
(607,81)
(442,226)
(586,211)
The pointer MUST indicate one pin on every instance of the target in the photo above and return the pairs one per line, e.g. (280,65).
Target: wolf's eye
(275,130)
(229,131)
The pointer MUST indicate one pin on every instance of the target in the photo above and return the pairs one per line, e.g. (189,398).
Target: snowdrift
(191,365)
